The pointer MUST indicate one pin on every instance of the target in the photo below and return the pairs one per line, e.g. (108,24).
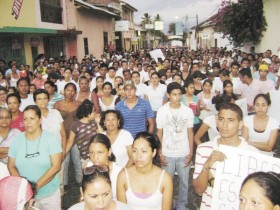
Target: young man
(136,111)
(207,155)
(175,132)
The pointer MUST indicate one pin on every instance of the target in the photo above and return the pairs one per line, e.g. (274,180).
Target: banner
(149,26)
(122,25)
(16,8)
(231,173)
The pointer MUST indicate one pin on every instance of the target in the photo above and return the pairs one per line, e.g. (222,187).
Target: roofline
(83,3)
(125,4)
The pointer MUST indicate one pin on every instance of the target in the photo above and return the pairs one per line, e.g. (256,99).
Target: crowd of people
(130,122)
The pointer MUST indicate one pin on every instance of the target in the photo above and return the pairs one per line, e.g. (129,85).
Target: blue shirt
(135,119)
(34,168)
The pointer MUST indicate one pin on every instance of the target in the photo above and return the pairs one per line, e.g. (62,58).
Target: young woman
(100,153)
(99,83)
(145,185)
(260,190)
(140,87)
(7,133)
(13,102)
(205,100)
(96,191)
(13,77)
(191,100)
(36,155)
(3,82)
(107,101)
(67,108)
(228,89)
(197,77)
(121,140)
(83,130)
(261,130)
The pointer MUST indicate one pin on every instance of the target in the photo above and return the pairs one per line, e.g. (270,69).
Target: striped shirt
(135,119)
(203,152)
(56,97)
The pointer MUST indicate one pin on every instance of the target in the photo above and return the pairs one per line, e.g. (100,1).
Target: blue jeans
(178,165)
(75,156)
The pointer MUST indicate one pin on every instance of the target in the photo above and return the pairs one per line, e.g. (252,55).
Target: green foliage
(241,22)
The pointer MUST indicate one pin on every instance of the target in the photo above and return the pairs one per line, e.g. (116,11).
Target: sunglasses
(100,168)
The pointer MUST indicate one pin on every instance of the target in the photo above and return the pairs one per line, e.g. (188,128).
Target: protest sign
(155,54)
(231,173)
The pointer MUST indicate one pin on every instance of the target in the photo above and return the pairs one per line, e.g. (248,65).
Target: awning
(98,9)
(9,29)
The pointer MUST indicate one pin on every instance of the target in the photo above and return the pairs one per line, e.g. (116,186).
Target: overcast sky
(175,10)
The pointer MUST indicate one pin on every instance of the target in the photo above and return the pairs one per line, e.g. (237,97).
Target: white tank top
(104,107)
(153,202)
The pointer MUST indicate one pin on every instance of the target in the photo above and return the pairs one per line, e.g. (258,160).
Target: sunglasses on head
(100,168)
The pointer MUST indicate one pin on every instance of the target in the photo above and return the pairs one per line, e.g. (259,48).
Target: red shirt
(18,122)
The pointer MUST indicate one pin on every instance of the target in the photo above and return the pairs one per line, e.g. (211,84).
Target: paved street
(73,194)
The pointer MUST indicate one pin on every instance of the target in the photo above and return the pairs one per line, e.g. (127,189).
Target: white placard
(122,25)
(155,54)
(159,25)
(149,26)
(231,173)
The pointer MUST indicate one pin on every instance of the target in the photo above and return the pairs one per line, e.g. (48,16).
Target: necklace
(175,120)
(35,154)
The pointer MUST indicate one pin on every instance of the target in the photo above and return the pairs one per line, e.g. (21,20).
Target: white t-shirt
(93,84)
(156,96)
(4,172)
(175,129)
(52,123)
(144,76)
(61,85)
(105,107)
(266,86)
(211,122)
(119,206)
(272,124)
(203,152)
(123,140)
(26,102)
(140,89)
(113,176)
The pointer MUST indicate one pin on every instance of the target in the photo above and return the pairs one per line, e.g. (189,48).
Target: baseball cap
(15,192)
(266,60)
(129,83)
(263,67)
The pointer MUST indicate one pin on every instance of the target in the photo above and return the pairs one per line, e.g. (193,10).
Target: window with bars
(51,11)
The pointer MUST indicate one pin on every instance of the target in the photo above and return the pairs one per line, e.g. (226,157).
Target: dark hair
(85,109)
(224,72)
(16,95)
(269,182)
(197,74)
(111,68)
(245,59)
(188,83)
(84,77)
(117,113)
(40,91)
(135,72)
(70,84)
(23,79)
(178,75)
(103,139)
(235,64)
(155,73)
(107,83)
(207,81)
(233,107)
(153,142)
(265,96)
(226,82)
(219,100)
(35,109)
(91,178)
(172,86)
(3,89)
(246,72)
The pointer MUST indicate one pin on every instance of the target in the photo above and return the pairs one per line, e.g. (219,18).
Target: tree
(146,19)
(172,28)
(241,22)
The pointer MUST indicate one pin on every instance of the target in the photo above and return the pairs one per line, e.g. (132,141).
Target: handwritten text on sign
(231,173)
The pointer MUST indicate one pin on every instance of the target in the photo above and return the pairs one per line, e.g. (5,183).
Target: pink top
(18,122)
